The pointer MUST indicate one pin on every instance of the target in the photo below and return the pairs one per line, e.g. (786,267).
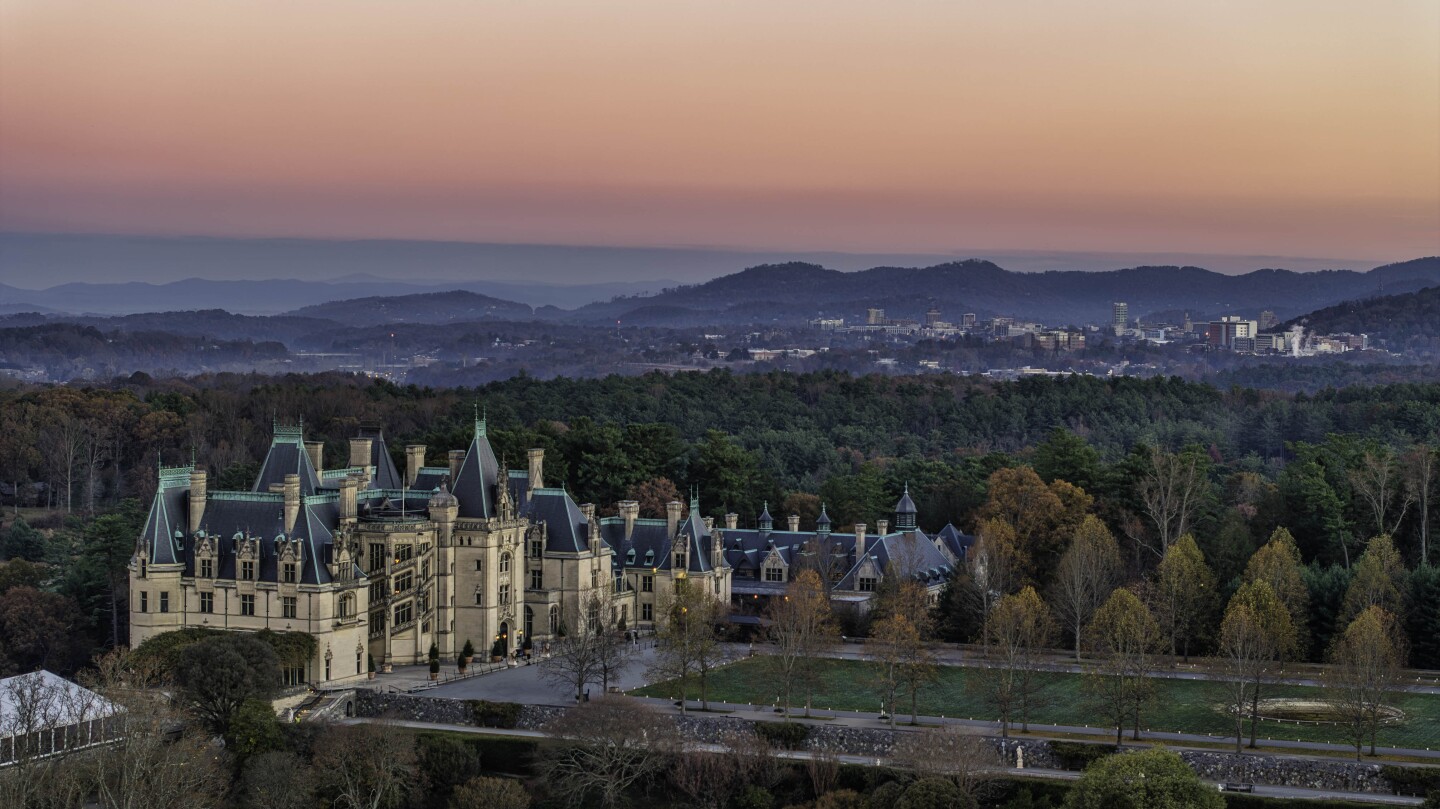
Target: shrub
(488,714)
(786,735)
(1079,755)
(254,729)
(934,793)
(1416,781)
(754,797)
(468,650)
(490,793)
(885,796)
(447,763)
(840,799)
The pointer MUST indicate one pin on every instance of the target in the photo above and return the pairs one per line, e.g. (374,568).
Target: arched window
(554,619)
(505,562)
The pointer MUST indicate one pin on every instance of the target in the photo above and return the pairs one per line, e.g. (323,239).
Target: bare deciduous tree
(1378,482)
(949,752)
(608,745)
(1419,465)
(372,765)
(1171,489)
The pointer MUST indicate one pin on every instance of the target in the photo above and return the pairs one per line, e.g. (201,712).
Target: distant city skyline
(1287,128)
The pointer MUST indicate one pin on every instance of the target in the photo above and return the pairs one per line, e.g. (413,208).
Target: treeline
(66,350)
(1408,322)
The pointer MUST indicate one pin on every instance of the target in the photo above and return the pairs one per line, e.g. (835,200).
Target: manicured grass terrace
(1186,706)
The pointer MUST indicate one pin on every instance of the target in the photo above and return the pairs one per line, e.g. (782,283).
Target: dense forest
(1335,468)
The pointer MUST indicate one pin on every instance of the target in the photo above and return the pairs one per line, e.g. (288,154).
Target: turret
(767,523)
(905,512)
(822,525)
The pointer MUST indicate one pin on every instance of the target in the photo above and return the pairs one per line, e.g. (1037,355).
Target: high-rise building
(932,317)
(1120,316)
(968,320)
(874,317)
(1267,320)
(1224,333)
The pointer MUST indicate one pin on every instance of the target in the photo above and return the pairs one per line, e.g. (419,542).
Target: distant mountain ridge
(806,291)
(453,306)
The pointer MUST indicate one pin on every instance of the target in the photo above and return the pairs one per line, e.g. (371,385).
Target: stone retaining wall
(878,742)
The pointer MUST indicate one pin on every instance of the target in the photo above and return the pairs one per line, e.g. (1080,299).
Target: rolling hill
(1406,322)
(431,307)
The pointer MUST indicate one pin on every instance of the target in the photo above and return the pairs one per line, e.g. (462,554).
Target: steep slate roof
(565,528)
(287,456)
(955,540)
(475,482)
(648,544)
(167,515)
(428,480)
(386,477)
(697,551)
(908,553)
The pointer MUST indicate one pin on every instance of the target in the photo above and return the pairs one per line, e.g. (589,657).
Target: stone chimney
(359,452)
(882,527)
(197,499)
(859,541)
(316,451)
(348,487)
(732,521)
(629,510)
(794,521)
(537,468)
(292,502)
(414,459)
(457,457)
(709,525)
(673,511)
(592,526)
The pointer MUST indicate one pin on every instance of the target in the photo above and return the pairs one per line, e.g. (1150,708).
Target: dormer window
(247,570)
(866,584)
(289,570)
(680,560)
(207,568)
(774,573)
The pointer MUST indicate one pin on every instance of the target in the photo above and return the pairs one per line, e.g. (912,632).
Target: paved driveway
(524,684)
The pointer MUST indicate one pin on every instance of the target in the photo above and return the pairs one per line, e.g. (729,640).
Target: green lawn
(1180,705)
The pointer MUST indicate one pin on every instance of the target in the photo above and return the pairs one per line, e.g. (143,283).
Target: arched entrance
(502,640)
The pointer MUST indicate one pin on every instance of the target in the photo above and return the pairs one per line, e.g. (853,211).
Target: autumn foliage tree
(1365,670)
(801,625)
(1184,592)
(1088,572)
(1019,630)
(1256,637)
(1123,638)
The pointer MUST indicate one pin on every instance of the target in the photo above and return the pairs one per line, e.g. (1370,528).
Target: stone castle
(375,564)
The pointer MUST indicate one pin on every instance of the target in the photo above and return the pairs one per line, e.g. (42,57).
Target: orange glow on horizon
(1305,127)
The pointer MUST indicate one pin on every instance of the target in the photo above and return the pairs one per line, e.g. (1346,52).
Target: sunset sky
(1277,127)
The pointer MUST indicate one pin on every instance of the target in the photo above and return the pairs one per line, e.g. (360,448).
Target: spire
(766,521)
(480,418)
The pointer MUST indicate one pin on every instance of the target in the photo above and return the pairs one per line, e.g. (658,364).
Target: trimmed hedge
(785,735)
(494,714)
(1079,755)
(1416,781)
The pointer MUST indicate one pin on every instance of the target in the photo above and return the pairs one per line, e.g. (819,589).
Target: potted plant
(371,660)
(467,653)
(434,662)
(497,651)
